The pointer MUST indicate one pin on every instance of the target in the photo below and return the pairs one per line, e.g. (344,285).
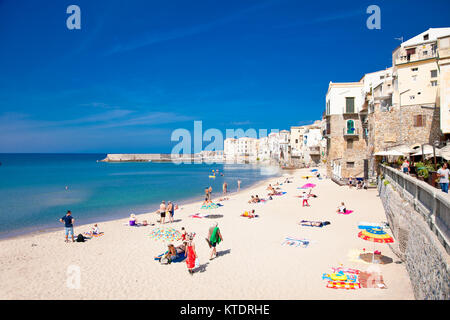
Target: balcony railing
(350,132)
(433,204)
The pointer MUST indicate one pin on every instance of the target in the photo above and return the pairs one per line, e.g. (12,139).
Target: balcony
(314,151)
(353,132)
(349,111)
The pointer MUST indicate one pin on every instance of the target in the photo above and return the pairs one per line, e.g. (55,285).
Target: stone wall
(426,260)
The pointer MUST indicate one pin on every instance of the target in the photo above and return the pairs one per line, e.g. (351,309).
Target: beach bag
(164,260)
(80,238)
(197,263)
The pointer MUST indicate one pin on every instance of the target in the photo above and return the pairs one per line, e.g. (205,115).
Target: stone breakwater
(426,260)
(145,157)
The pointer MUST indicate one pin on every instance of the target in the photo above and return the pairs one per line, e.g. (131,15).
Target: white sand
(254,264)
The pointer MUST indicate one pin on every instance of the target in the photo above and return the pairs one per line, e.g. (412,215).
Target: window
(425,52)
(350,164)
(433,73)
(350,144)
(425,36)
(296,140)
(328,107)
(419,120)
(434,83)
(350,127)
(350,105)
(414,69)
(412,97)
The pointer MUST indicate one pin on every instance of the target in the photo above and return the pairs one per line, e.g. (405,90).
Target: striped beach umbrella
(377,235)
(165,234)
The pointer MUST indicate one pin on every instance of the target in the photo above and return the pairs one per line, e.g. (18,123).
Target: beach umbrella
(307,186)
(165,234)
(375,235)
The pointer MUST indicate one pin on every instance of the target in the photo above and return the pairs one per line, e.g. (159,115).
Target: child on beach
(183,234)
(305,199)
(342,208)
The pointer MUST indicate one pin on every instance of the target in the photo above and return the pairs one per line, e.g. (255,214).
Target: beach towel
(210,206)
(319,224)
(280,193)
(346,212)
(343,285)
(198,215)
(249,215)
(90,234)
(215,236)
(293,242)
(371,280)
(179,258)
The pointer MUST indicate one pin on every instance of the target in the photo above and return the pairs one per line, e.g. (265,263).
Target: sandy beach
(252,262)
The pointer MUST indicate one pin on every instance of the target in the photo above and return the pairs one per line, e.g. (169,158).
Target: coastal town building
(404,106)
(307,144)
(346,147)
(443,43)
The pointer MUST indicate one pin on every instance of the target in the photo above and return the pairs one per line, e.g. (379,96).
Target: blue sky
(137,70)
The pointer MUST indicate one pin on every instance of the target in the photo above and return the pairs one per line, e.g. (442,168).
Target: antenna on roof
(401,39)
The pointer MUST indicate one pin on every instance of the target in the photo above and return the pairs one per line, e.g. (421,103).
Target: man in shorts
(68,221)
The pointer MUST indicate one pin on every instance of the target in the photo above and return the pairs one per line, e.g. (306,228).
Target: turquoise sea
(33,193)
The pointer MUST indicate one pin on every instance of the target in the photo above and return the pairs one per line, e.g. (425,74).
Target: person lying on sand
(252,200)
(311,223)
(311,194)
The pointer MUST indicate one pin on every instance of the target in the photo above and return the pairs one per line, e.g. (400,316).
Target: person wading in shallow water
(225,186)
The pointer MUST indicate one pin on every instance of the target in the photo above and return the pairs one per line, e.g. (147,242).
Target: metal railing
(432,203)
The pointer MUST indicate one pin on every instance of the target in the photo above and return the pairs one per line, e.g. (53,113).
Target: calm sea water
(33,193)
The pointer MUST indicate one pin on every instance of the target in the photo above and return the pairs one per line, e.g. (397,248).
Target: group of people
(164,210)
(358,183)
(442,174)
(254,199)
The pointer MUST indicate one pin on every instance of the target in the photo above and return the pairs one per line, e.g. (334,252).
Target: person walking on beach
(239,185)
(443,175)
(190,253)
(214,238)
(170,211)
(68,221)
(225,185)
(162,212)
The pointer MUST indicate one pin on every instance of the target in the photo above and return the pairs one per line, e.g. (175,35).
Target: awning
(389,153)
(427,149)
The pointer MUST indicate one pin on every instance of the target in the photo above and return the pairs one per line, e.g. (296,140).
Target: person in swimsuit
(225,185)
(162,212)
(342,208)
(170,211)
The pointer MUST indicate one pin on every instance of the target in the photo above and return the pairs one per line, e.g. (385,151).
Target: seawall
(420,239)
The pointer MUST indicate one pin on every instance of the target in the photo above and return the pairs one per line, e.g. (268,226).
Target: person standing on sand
(207,194)
(225,185)
(239,185)
(443,177)
(68,221)
(214,238)
(169,210)
(210,192)
(190,254)
(162,212)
